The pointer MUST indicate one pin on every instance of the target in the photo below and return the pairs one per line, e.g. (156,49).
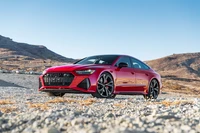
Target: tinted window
(104,60)
(138,64)
(125,60)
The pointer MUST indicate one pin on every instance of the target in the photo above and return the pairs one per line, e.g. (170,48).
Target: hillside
(180,65)
(14,55)
(180,70)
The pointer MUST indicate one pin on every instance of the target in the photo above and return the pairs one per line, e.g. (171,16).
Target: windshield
(103,60)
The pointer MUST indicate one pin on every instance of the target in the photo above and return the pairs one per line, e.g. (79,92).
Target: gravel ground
(23,109)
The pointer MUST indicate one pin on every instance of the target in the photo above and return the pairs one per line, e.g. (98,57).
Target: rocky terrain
(22,56)
(23,109)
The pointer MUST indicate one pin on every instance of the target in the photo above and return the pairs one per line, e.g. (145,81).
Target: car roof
(111,54)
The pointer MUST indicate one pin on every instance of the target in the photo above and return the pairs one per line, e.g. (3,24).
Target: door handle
(132,73)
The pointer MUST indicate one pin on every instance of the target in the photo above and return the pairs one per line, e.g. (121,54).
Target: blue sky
(146,29)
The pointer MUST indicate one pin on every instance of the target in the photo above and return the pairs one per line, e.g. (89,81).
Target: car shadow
(8,84)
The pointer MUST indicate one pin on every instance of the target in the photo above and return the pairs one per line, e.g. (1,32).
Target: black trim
(40,83)
(130,93)
(85,84)
(64,91)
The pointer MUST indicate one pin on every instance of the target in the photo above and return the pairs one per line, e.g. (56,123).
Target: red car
(103,76)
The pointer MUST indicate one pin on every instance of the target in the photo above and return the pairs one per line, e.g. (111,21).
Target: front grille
(58,79)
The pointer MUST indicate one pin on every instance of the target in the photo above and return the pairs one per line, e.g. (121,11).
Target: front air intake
(85,84)
(58,79)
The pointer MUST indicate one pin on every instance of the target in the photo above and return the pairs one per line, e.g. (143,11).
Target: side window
(125,60)
(138,64)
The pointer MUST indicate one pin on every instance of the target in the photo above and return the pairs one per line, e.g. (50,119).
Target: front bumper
(56,81)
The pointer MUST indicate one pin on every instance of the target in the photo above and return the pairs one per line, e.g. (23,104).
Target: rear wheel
(56,94)
(105,87)
(153,90)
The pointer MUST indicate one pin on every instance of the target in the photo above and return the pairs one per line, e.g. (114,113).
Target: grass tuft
(6,101)
(175,103)
(87,102)
(42,106)
(8,109)
(120,105)
(62,100)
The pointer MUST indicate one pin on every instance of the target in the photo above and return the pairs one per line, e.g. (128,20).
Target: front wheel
(154,89)
(105,87)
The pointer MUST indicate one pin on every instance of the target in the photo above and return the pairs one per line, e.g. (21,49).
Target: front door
(125,77)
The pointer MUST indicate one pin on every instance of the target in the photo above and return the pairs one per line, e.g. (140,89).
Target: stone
(48,120)
(35,124)
(1,114)
(109,115)
(3,121)
(89,111)
(50,130)
(197,128)
(185,128)
(28,130)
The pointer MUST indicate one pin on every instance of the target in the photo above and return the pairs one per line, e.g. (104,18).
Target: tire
(112,96)
(105,86)
(56,94)
(154,90)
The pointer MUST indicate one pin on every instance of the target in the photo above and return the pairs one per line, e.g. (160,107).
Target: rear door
(125,80)
(142,74)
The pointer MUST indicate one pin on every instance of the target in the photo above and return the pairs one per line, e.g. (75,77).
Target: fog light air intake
(85,84)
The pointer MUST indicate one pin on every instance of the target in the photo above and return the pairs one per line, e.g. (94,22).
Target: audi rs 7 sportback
(103,76)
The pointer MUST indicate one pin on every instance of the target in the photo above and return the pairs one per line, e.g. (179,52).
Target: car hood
(74,67)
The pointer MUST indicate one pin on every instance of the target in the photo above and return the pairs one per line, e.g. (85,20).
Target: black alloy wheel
(105,86)
(153,90)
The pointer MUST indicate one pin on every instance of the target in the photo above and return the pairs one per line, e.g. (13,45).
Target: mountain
(179,65)
(15,56)
(11,48)
(182,71)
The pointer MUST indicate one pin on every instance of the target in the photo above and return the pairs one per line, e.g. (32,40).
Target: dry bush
(42,106)
(87,102)
(175,103)
(172,86)
(120,105)
(62,100)
(6,101)
(169,86)
(8,109)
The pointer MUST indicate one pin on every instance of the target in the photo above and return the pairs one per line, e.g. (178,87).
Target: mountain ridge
(33,51)
(188,63)
(27,57)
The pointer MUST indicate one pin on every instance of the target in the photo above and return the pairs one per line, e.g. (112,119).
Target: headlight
(88,71)
(44,72)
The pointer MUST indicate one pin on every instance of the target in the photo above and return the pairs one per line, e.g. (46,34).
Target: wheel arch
(107,71)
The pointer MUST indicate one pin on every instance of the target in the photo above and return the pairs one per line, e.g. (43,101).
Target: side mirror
(122,64)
